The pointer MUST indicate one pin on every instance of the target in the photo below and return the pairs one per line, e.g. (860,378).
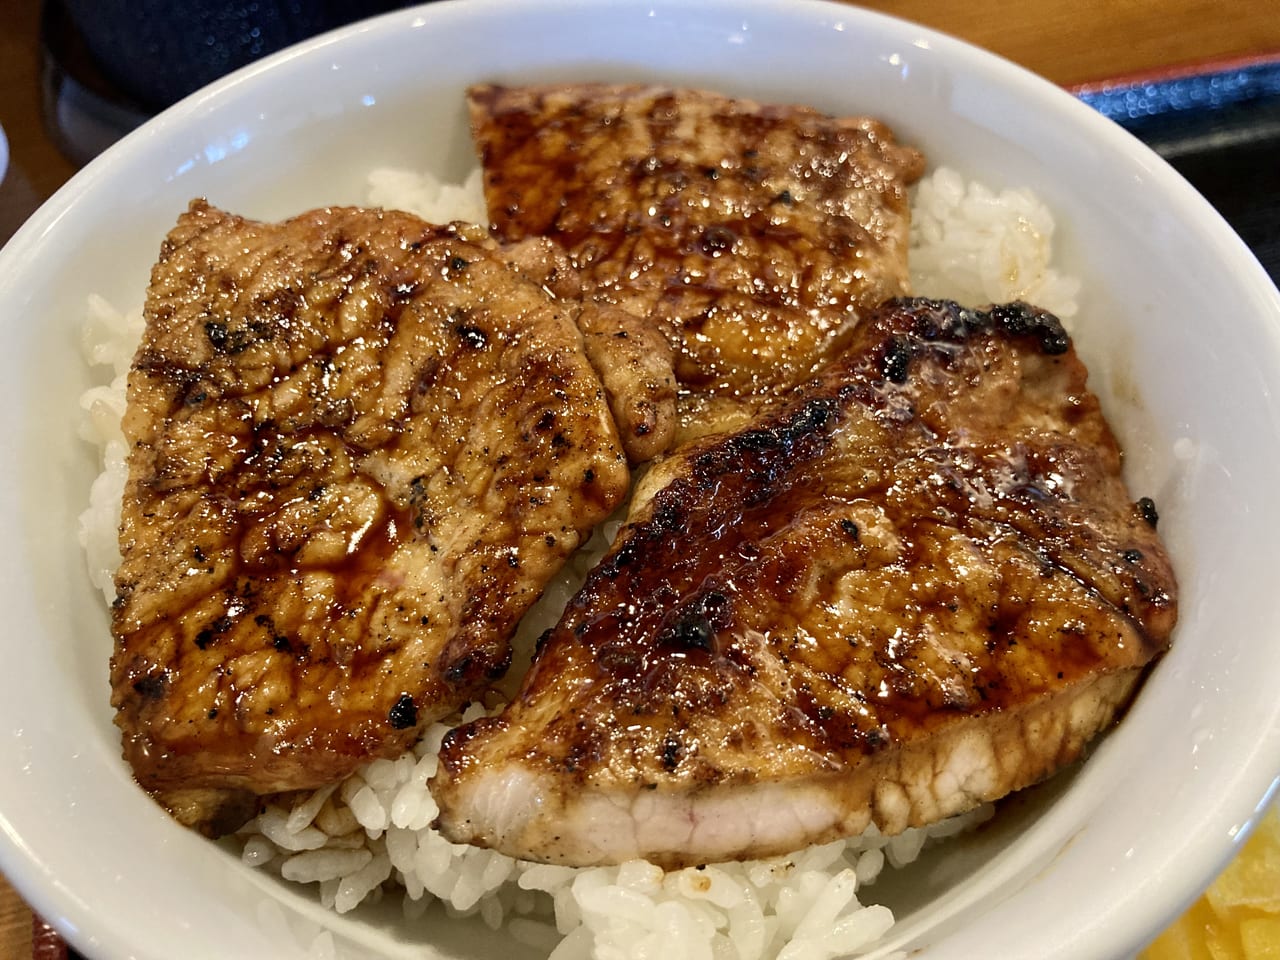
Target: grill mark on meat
(918,585)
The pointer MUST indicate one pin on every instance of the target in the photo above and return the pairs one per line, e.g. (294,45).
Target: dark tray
(1219,127)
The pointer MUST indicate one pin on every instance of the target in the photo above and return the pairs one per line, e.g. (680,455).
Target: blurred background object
(1219,126)
(158,51)
(108,65)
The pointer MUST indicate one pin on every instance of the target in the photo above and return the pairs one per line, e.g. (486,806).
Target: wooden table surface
(1069,41)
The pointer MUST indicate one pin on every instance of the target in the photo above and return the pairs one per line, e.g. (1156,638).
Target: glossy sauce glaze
(752,235)
(930,542)
(361,444)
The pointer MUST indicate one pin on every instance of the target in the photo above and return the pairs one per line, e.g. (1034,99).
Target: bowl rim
(1227,823)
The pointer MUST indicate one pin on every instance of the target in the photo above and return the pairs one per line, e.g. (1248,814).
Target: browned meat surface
(633,359)
(752,236)
(361,444)
(918,585)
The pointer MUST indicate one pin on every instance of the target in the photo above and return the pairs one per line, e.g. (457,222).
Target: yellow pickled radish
(1223,942)
(1238,918)
(1260,938)
(1185,938)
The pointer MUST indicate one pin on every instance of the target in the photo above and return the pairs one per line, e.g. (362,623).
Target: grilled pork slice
(917,586)
(753,236)
(360,445)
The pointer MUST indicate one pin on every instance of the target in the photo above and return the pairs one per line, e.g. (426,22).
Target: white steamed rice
(369,836)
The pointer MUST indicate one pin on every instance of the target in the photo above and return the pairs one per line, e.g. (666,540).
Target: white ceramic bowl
(1178,321)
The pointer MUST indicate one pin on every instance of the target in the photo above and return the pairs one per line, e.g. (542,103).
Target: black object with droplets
(158,51)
